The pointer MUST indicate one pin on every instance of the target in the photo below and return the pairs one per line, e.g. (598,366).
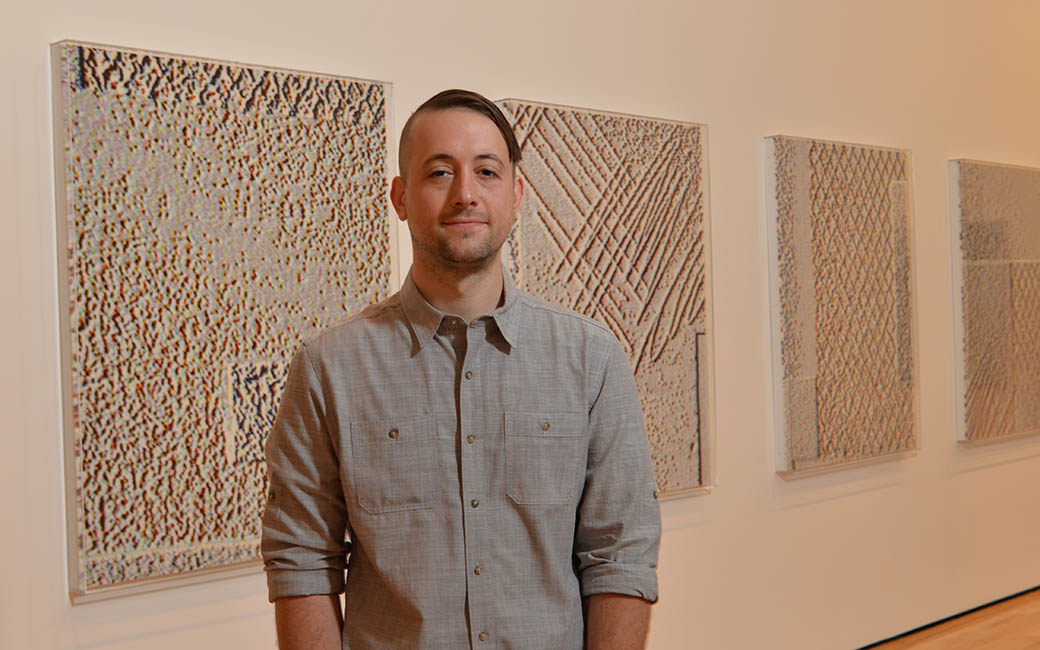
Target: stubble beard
(462,255)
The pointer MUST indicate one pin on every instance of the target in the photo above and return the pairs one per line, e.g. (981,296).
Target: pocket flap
(389,431)
(546,425)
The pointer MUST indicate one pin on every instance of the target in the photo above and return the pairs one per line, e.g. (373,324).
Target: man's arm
(616,622)
(304,525)
(309,622)
(619,526)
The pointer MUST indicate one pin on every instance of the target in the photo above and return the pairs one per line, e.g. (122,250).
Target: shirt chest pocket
(397,464)
(545,457)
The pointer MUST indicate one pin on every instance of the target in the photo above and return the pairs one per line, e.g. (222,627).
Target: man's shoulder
(557,316)
(357,326)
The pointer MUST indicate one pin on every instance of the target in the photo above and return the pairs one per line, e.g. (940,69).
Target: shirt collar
(425,319)
(507,317)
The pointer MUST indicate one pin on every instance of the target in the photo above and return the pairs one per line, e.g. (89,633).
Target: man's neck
(464,294)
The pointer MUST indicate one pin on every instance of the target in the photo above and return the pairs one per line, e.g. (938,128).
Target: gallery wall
(831,561)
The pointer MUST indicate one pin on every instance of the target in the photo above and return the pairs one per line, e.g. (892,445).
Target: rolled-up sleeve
(304,524)
(619,524)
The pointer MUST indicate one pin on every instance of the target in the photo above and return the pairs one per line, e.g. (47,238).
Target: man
(483,451)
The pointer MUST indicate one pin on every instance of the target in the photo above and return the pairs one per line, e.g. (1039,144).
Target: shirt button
(474,503)
(393,433)
(656,494)
(469,374)
(482,636)
(477,570)
(545,425)
(471,438)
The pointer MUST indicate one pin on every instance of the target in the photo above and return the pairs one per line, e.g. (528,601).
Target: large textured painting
(614,226)
(211,216)
(997,217)
(843,355)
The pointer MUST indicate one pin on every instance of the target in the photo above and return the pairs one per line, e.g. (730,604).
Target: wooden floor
(1012,624)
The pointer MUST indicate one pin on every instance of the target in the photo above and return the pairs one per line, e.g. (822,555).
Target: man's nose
(463,191)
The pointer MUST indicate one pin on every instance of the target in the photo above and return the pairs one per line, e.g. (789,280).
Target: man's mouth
(465,221)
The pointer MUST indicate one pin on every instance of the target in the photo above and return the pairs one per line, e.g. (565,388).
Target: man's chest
(492,426)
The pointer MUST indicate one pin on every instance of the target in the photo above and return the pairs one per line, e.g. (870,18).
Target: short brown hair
(469,100)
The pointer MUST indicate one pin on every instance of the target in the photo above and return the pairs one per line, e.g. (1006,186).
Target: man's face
(461,195)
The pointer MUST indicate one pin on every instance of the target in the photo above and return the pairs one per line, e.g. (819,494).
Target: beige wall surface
(832,561)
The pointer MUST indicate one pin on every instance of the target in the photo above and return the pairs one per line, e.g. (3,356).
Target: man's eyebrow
(448,156)
(438,156)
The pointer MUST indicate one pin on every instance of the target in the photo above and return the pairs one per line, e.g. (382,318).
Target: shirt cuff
(287,582)
(626,579)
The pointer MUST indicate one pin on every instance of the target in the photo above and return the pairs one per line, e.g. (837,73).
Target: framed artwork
(996,227)
(843,354)
(211,215)
(615,226)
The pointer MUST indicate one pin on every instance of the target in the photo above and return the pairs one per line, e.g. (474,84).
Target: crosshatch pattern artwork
(997,209)
(216,214)
(842,278)
(613,226)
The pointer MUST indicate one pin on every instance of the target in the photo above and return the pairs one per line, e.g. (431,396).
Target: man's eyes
(443,173)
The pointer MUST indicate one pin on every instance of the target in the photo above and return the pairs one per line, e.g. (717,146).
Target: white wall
(828,562)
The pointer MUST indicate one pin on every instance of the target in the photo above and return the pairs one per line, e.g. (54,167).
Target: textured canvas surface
(998,211)
(613,226)
(216,214)
(844,323)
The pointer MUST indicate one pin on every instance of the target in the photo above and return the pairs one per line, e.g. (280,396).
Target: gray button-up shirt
(487,476)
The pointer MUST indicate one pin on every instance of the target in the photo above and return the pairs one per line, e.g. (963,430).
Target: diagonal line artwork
(613,227)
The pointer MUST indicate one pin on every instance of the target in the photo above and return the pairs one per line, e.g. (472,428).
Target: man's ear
(397,197)
(518,192)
